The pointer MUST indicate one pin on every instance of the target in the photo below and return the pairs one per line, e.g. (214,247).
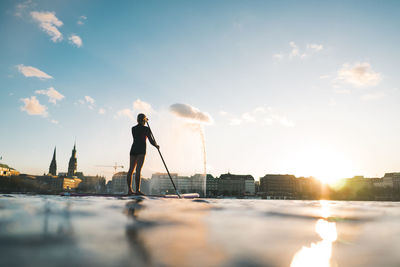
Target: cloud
(141,106)
(33,107)
(75,40)
(89,99)
(248,117)
(48,22)
(279,119)
(52,93)
(138,106)
(54,121)
(343,91)
(373,96)
(359,75)
(296,52)
(191,113)
(315,47)
(81,20)
(21,7)
(29,71)
(126,112)
(235,121)
(261,114)
(102,111)
(223,113)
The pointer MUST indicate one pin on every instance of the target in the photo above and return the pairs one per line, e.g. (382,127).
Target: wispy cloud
(29,71)
(315,47)
(33,107)
(89,99)
(191,113)
(81,20)
(322,77)
(75,40)
(296,52)
(358,75)
(21,8)
(141,106)
(49,23)
(138,106)
(54,121)
(279,119)
(373,96)
(264,115)
(102,111)
(52,93)
(126,112)
(342,91)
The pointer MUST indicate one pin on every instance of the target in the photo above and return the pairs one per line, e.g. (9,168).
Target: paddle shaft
(165,165)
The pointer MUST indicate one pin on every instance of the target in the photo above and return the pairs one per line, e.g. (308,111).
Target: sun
(326,164)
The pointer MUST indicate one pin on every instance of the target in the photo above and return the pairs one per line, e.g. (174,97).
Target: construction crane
(115,166)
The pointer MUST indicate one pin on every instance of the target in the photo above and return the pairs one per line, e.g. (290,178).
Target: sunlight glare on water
(318,254)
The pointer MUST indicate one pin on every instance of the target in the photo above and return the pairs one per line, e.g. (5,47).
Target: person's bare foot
(138,193)
(130,192)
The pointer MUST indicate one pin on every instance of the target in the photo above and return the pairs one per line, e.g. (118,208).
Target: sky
(309,88)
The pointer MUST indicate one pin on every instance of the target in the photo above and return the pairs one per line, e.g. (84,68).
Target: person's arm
(151,138)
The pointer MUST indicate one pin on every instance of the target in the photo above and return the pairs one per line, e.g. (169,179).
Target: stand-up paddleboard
(187,196)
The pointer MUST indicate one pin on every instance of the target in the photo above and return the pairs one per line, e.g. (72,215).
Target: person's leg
(132,165)
(140,161)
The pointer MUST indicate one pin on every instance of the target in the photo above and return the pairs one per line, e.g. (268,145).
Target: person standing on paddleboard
(138,151)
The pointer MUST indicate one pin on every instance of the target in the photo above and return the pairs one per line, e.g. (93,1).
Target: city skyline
(306,88)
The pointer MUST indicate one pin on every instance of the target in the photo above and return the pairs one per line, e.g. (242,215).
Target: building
(58,184)
(5,170)
(278,186)
(53,165)
(307,188)
(211,186)
(119,183)
(93,184)
(70,183)
(392,180)
(197,184)
(72,165)
(236,185)
(160,183)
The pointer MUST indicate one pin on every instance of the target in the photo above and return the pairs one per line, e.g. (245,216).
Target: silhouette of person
(138,151)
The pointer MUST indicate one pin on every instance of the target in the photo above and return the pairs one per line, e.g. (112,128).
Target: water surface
(107,231)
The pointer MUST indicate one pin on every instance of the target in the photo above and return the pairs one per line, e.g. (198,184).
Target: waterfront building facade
(211,186)
(278,186)
(6,170)
(161,184)
(236,185)
(120,184)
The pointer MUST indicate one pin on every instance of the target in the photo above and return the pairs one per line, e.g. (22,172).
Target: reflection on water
(318,254)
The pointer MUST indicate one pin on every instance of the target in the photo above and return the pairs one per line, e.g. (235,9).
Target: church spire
(53,164)
(72,165)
